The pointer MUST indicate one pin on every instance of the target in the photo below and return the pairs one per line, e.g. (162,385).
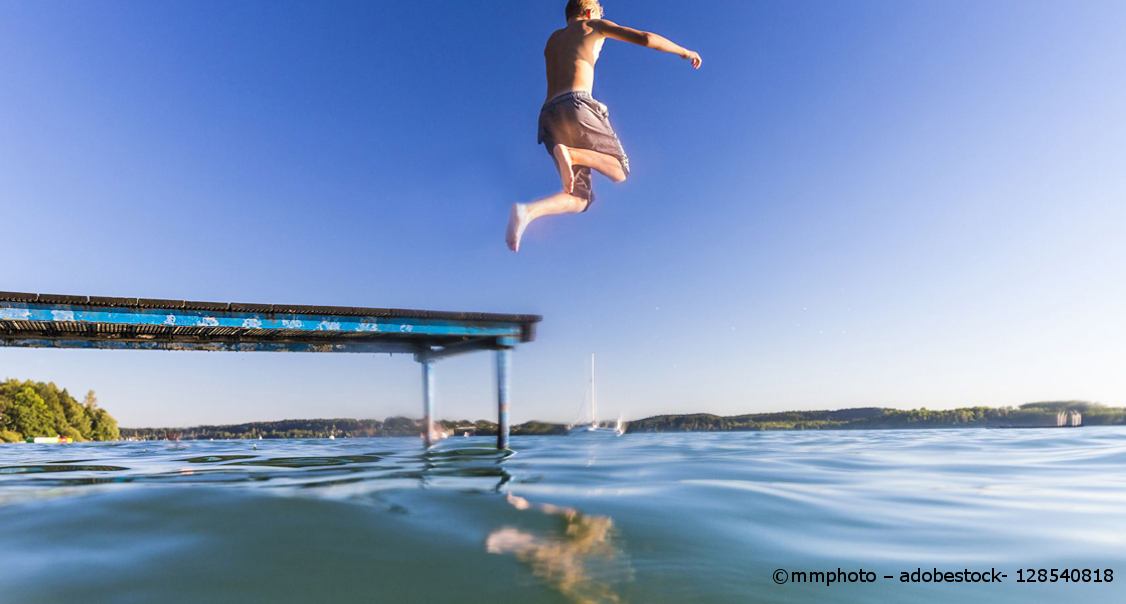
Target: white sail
(593,396)
(594,425)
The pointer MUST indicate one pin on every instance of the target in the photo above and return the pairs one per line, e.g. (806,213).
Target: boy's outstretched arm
(644,38)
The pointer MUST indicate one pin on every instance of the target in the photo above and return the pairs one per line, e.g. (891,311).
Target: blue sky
(867,203)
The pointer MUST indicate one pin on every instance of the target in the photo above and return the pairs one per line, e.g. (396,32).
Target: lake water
(642,518)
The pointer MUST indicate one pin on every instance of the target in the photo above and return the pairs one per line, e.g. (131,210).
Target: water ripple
(642,518)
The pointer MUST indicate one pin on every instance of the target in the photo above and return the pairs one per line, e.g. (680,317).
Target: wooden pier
(53,321)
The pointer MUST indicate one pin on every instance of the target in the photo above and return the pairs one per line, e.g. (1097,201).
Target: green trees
(102,424)
(29,414)
(29,409)
(77,416)
(1030,415)
(338,427)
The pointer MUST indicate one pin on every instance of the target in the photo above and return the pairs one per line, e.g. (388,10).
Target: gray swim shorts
(575,119)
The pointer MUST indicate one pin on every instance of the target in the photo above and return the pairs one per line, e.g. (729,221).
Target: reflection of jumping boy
(573,126)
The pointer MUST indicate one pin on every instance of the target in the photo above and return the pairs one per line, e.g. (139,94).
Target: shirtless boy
(575,128)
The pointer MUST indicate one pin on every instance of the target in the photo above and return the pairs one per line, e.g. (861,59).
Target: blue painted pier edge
(53,321)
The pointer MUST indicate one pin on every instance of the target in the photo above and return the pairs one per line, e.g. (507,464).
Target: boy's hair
(576,8)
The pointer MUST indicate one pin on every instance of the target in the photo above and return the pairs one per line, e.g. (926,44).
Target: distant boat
(49,440)
(595,426)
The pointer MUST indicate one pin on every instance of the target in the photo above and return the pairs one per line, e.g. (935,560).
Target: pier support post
(504,368)
(427,401)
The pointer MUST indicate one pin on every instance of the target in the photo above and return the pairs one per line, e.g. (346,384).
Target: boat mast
(593,393)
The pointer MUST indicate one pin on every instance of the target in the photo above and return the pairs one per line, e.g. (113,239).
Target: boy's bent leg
(524,213)
(566,167)
(568,157)
(606,164)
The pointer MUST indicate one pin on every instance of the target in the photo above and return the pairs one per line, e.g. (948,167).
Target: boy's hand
(694,57)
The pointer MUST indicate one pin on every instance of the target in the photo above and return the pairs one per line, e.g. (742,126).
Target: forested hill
(1029,415)
(29,409)
(323,428)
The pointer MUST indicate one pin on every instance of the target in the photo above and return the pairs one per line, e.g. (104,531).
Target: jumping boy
(575,128)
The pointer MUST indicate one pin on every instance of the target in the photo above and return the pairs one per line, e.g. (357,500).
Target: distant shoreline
(1031,415)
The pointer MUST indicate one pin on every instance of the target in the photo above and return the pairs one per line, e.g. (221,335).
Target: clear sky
(895,203)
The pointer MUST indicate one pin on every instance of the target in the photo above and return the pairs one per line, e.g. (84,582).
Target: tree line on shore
(339,427)
(1030,415)
(30,409)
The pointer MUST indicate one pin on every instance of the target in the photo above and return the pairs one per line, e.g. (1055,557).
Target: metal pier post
(427,400)
(504,368)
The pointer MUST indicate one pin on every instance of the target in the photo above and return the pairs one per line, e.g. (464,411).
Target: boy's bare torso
(570,56)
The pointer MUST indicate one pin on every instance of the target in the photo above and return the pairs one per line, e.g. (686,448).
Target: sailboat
(594,425)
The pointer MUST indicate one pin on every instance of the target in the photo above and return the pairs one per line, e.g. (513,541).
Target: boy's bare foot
(517,222)
(563,164)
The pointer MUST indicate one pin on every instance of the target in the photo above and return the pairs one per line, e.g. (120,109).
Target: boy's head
(583,9)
